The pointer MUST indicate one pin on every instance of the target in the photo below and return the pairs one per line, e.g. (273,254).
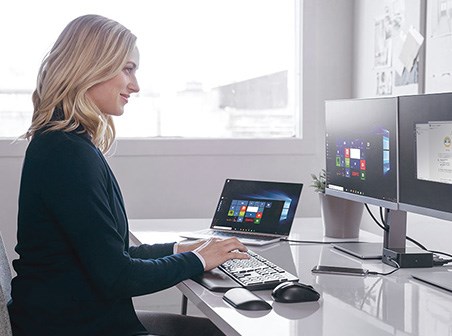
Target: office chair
(5,291)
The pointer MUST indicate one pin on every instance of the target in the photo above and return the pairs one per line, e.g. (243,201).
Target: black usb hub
(409,257)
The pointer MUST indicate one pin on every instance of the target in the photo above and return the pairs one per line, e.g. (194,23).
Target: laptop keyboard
(240,235)
(256,273)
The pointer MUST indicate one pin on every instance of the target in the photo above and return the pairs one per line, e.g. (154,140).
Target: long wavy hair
(90,50)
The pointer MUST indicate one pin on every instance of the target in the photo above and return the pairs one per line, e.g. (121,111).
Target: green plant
(318,181)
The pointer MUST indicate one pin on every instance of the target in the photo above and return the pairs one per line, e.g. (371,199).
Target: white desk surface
(349,305)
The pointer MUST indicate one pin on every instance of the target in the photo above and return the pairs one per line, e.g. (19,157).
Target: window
(223,69)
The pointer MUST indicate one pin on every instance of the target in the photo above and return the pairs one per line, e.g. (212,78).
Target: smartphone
(340,270)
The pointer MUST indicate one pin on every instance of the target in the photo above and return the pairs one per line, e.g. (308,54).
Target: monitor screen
(426,154)
(361,150)
(257,206)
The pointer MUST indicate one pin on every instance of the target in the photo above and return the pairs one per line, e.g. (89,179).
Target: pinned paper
(410,48)
(398,66)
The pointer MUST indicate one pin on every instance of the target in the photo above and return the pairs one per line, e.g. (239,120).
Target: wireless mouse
(291,292)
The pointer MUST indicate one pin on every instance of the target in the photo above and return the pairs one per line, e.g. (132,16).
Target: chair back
(5,291)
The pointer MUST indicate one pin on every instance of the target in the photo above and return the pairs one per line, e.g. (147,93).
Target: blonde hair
(90,50)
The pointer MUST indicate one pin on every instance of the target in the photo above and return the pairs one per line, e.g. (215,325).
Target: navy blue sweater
(76,273)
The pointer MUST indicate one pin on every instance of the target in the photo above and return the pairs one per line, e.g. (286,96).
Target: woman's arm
(146,251)
(78,190)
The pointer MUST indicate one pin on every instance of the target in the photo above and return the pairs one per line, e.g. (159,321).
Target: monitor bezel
(363,199)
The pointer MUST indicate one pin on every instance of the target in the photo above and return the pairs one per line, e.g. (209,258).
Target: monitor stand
(361,250)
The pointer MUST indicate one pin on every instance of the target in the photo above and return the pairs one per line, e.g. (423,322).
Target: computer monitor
(361,150)
(426,163)
(362,158)
(426,154)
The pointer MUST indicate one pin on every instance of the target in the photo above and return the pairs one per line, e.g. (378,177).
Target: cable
(389,273)
(383,218)
(373,217)
(443,253)
(318,242)
(417,243)
(438,262)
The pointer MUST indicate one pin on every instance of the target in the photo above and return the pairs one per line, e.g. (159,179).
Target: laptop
(255,212)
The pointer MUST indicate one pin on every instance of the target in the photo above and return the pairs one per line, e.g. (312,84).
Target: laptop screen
(257,206)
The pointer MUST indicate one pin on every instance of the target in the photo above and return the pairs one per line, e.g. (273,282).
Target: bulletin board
(397,45)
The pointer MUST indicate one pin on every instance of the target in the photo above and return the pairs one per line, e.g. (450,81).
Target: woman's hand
(216,251)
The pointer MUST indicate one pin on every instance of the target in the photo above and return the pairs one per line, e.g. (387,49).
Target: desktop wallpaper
(257,206)
(361,148)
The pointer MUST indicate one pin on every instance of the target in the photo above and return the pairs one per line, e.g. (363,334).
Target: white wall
(183,178)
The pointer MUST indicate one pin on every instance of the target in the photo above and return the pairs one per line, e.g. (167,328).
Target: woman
(76,273)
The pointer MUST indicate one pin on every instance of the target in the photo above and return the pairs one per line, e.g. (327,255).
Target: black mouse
(291,292)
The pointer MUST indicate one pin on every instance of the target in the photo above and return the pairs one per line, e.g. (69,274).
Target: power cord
(375,220)
(388,273)
(438,261)
(318,242)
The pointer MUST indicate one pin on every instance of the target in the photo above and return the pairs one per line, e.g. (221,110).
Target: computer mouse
(291,292)
(241,298)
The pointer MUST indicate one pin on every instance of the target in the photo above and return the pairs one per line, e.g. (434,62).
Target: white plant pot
(341,217)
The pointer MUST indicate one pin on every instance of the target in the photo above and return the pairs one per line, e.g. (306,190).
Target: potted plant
(319,181)
(341,217)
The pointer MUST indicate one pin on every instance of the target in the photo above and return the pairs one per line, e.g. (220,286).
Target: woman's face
(112,95)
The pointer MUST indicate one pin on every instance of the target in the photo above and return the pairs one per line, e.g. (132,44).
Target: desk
(349,305)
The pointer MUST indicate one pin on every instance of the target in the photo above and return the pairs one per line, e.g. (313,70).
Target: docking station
(410,257)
